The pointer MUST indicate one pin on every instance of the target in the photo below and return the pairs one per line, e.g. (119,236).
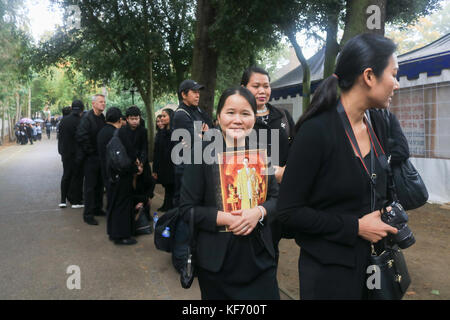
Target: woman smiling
(239,264)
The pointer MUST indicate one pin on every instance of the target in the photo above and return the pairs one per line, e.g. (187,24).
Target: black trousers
(71,181)
(168,196)
(179,170)
(93,186)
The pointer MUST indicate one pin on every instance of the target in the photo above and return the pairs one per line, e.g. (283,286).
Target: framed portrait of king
(243,179)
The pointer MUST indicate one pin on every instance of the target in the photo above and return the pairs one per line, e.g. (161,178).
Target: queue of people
(30,132)
(83,141)
(319,194)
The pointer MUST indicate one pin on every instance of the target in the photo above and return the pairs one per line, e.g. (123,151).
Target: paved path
(39,241)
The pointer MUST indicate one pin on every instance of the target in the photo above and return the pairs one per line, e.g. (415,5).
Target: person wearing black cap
(72,179)
(186,114)
(190,117)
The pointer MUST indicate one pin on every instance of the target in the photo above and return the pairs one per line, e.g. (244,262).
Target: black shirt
(278,120)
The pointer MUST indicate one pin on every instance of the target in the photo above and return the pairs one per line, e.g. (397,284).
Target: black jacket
(324,190)
(162,163)
(87,131)
(135,142)
(198,190)
(281,120)
(103,137)
(67,144)
(185,119)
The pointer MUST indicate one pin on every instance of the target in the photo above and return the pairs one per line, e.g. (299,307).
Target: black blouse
(325,190)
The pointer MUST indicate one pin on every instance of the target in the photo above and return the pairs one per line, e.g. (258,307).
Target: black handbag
(187,273)
(391,277)
(142,224)
(409,187)
(411,191)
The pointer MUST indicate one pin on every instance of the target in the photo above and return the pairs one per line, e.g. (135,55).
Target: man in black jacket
(91,123)
(186,116)
(29,132)
(72,178)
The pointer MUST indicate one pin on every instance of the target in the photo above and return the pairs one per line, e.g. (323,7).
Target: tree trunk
(2,140)
(29,103)
(12,124)
(332,46)
(205,57)
(306,82)
(357,20)
(147,97)
(18,111)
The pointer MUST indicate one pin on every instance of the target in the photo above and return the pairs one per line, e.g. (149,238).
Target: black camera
(398,218)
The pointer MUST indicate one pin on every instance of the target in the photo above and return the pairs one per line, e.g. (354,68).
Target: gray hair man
(91,123)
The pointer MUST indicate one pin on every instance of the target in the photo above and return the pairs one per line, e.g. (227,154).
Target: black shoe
(91,221)
(125,241)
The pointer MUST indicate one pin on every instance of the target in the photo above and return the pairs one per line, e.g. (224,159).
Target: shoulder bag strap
(188,114)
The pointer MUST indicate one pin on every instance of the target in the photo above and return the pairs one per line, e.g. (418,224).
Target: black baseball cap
(77,106)
(189,85)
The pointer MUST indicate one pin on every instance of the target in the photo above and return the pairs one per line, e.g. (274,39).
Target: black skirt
(249,272)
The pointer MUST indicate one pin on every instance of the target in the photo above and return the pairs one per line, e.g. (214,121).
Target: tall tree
(138,42)
(205,55)
(229,35)
(359,17)
(14,60)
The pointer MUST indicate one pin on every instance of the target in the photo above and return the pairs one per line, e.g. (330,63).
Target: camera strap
(375,149)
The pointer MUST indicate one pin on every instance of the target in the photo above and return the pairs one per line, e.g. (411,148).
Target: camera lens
(404,238)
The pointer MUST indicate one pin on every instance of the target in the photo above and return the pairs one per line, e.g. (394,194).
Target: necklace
(262,110)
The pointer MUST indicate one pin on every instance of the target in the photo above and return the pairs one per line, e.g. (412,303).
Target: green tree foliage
(141,43)
(14,63)
(422,32)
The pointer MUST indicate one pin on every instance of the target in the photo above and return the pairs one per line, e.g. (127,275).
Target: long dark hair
(156,120)
(170,113)
(364,51)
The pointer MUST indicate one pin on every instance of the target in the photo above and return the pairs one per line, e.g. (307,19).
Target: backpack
(116,155)
(169,219)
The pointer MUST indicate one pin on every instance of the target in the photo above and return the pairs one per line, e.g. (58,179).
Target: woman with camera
(335,183)
(239,264)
